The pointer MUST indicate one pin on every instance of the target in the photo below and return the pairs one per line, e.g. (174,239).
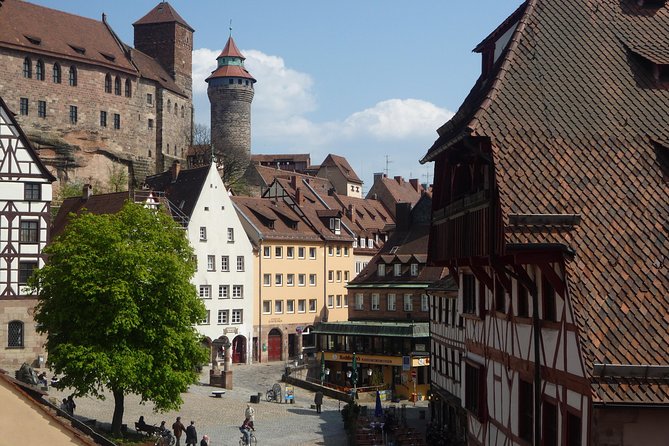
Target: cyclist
(246,428)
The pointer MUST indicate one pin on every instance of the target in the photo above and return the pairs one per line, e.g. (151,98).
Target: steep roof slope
(184,191)
(579,125)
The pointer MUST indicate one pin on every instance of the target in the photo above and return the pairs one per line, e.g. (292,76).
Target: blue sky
(362,79)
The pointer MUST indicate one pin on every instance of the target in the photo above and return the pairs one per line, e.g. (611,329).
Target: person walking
(318,401)
(205,440)
(250,412)
(191,434)
(71,405)
(178,429)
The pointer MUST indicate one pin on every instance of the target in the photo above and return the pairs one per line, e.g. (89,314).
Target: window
(266,279)
(108,83)
(41,109)
(231,81)
(117,121)
(414,269)
(211,263)
(359,301)
(548,299)
(150,124)
(223,317)
(335,225)
(223,291)
(15,334)
(27,68)
(408,302)
(300,252)
(206,319)
(397,269)
(338,276)
(370,243)
(312,279)
(266,252)
(203,233)
(290,252)
(549,424)
(468,294)
(312,253)
(381,270)
(278,306)
(278,279)
(338,301)
(39,70)
(500,297)
(573,429)
(266,306)
(237,291)
(23,106)
(330,251)
(231,234)
(205,291)
(225,263)
(330,300)
(278,252)
(149,99)
(330,276)
(338,251)
(301,305)
(182,111)
(240,263)
(522,303)
(355,242)
(312,305)
(473,390)
(375,302)
(73,114)
(347,276)
(345,300)
(128,88)
(29,231)
(345,251)
(290,306)
(301,279)
(103,119)
(169,105)
(73,76)
(32,191)
(117,86)
(56,74)
(525,410)
(424,303)
(290,279)
(25,271)
(391,302)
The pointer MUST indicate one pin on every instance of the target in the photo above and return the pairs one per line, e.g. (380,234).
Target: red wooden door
(274,347)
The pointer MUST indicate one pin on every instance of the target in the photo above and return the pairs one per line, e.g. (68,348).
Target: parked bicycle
(165,438)
(274,393)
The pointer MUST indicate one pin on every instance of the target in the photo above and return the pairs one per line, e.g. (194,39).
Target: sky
(369,80)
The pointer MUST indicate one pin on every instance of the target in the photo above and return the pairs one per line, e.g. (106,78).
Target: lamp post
(354,375)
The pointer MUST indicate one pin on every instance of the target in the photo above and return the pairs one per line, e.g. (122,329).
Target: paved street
(276,424)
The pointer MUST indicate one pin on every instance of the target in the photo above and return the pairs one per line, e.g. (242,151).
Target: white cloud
(285,101)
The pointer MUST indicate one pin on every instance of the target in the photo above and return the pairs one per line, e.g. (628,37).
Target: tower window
(117,86)
(41,109)
(39,70)
(128,88)
(239,81)
(231,81)
(117,121)
(56,74)
(23,106)
(103,118)
(73,76)
(108,83)
(73,114)
(27,68)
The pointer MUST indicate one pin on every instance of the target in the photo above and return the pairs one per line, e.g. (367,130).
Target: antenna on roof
(388,161)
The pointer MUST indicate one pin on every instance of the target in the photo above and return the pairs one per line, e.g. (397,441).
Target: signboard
(228,330)
(406,363)
(364,359)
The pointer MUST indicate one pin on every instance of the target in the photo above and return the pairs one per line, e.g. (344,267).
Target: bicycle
(274,394)
(253,440)
(165,438)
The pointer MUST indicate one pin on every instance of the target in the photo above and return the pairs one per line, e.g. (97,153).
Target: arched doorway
(239,349)
(274,345)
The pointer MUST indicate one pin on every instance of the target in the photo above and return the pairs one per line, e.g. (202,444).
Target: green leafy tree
(116,301)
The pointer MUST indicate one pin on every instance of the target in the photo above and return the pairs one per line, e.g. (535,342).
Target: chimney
(351,213)
(414,183)
(293,181)
(399,180)
(87,192)
(299,198)
(176,168)
(378,176)
(402,216)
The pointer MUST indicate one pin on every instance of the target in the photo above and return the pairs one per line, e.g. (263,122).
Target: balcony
(467,203)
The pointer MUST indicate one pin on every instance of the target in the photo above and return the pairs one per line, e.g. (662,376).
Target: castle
(89,102)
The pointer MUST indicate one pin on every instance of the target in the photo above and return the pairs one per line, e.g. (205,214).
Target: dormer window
(397,269)
(33,39)
(335,225)
(381,270)
(414,269)
(653,57)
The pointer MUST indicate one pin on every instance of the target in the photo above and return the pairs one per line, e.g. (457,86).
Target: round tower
(230,94)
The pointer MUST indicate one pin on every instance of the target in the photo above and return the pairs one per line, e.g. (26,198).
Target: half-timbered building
(25,200)
(550,207)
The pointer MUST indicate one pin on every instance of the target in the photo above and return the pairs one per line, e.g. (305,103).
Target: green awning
(368,328)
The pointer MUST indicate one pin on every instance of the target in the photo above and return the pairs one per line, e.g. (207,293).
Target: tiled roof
(269,174)
(40,30)
(150,68)
(185,191)
(231,50)
(231,71)
(294,157)
(571,115)
(395,190)
(341,164)
(162,13)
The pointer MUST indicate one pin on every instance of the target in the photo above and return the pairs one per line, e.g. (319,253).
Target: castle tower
(230,93)
(165,36)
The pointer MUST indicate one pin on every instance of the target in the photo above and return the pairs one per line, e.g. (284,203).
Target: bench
(218,393)
(146,429)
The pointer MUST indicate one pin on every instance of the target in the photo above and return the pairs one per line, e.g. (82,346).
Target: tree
(116,301)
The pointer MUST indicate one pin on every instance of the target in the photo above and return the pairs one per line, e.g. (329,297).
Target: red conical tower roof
(231,50)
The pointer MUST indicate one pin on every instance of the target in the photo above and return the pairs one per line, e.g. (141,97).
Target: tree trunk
(117,420)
